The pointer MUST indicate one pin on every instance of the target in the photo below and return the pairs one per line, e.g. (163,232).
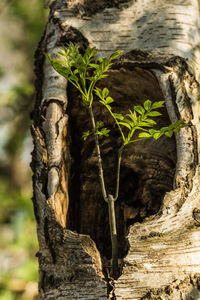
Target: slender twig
(118,171)
(113,233)
(120,129)
(98,155)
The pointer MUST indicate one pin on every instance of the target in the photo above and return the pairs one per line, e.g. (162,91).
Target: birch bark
(157,210)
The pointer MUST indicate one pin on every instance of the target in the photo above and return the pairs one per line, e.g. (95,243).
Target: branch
(118,171)
(98,155)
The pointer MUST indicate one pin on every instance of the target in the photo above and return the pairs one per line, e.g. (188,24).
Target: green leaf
(100,76)
(59,65)
(169,133)
(129,122)
(105,92)
(132,116)
(154,114)
(86,134)
(145,124)
(85,60)
(98,92)
(139,109)
(109,100)
(152,131)
(90,52)
(118,116)
(115,54)
(147,105)
(158,104)
(140,128)
(176,130)
(125,124)
(145,135)
(76,71)
(95,66)
(150,121)
(73,78)
(163,129)
(157,135)
(99,124)
(103,131)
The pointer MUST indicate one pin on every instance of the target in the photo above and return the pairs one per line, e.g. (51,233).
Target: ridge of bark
(188,288)
(88,8)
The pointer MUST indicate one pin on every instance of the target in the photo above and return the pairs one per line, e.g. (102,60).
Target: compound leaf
(147,105)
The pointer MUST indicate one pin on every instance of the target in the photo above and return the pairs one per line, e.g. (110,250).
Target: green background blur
(22,24)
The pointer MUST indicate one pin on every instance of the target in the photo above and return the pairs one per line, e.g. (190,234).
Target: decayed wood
(161,59)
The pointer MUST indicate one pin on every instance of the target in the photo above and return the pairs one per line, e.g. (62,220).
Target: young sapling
(84,71)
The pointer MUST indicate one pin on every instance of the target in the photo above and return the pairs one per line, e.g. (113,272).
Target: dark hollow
(147,167)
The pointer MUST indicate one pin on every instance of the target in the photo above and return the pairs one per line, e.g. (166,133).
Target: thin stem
(113,233)
(118,171)
(122,134)
(91,87)
(98,155)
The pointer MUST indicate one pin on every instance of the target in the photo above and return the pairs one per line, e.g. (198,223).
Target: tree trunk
(157,210)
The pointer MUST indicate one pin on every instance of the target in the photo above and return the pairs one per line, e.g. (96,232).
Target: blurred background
(22,23)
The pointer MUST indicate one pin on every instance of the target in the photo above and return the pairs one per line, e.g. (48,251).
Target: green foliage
(76,68)
(84,72)
(100,130)
(138,119)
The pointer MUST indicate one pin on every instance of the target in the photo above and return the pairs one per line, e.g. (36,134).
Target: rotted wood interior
(147,168)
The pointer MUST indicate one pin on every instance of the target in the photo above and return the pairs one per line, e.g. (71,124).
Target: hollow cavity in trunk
(147,167)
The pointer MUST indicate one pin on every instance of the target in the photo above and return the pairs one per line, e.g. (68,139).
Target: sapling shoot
(84,71)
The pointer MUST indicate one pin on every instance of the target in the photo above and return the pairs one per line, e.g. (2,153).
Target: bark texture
(157,210)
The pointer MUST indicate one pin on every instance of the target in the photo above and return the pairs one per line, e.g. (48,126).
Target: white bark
(164,254)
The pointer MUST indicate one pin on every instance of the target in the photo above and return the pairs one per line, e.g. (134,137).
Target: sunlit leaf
(154,113)
(73,78)
(104,132)
(114,55)
(145,124)
(169,133)
(99,124)
(139,109)
(144,135)
(118,116)
(152,131)
(109,100)
(85,134)
(147,105)
(98,92)
(157,135)
(158,104)
(96,66)
(152,122)
(125,124)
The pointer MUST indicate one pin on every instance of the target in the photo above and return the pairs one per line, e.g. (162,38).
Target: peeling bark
(159,239)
